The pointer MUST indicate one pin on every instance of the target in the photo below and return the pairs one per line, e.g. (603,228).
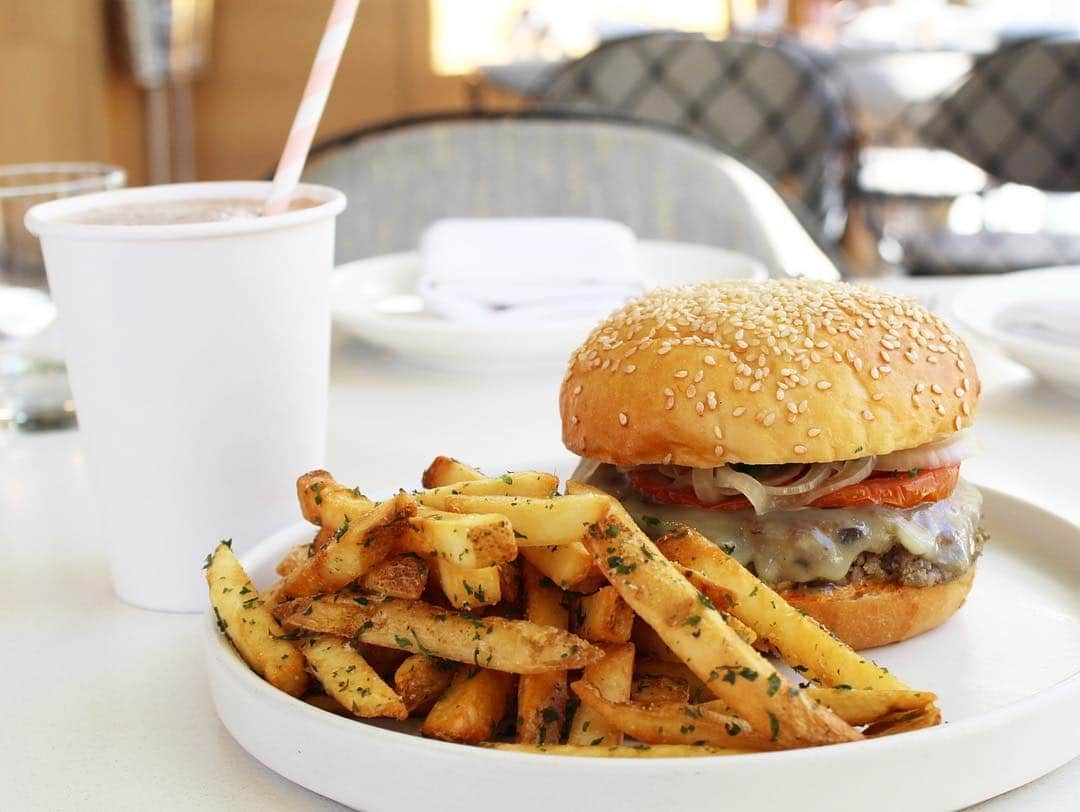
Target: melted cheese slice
(814,544)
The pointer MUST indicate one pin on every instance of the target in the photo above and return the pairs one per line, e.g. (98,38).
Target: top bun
(765,373)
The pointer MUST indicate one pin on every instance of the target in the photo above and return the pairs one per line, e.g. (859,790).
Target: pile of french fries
(507,614)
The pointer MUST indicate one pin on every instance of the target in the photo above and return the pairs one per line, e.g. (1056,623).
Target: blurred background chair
(402,177)
(766,103)
(1007,140)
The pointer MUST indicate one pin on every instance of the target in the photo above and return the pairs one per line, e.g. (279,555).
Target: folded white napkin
(528,269)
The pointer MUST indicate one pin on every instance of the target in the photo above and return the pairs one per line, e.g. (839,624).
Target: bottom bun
(876,613)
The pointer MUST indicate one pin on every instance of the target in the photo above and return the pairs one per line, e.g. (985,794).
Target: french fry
(537,522)
(385,661)
(519,484)
(467,540)
(472,706)
(649,643)
(355,548)
(569,566)
(420,680)
(603,617)
(634,751)
(446,471)
(347,677)
(326,703)
(245,619)
(274,594)
(674,722)
(650,688)
(509,582)
(691,626)
(612,677)
(518,646)
(541,704)
(859,706)
(401,576)
(904,722)
(295,557)
(468,588)
(674,671)
(326,502)
(800,639)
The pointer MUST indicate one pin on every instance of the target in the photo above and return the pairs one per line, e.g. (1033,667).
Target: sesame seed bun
(875,613)
(765,373)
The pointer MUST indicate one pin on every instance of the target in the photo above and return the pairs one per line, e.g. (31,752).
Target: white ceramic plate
(375,299)
(1033,317)
(1006,669)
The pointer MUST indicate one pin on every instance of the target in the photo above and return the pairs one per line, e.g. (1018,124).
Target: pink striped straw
(327,59)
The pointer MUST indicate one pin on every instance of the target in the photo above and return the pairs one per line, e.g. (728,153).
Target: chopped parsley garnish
(518,535)
(774,726)
(612,530)
(341,531)
(509,480)
(404,642)
(651,520)
(774,683)
(704,599)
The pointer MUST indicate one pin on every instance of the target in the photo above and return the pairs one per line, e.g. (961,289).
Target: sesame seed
(885,369)
(867,414)
(718,450)
(623,419)
(803,406)
(711,400)
(573,420)
(779,393)
(965,408)
(799,448)
(667,459)
(793,407)
(876,396)
(937,390)
(681,373)
(858,364)
(669,404)
(823,385)
(629,368)
(885,357)
(738,411)
(691,391)
(920,387)
(874,373)
(814,432)
(717,433)
(769,419)
(700,374)
(669,391)
(959,392)
(709,360)
(664,349)
(958,423)
(742,345)
(940,407)
(577,389)
(699,407)
(755,386)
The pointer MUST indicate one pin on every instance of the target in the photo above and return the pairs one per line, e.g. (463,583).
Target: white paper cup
(199,359)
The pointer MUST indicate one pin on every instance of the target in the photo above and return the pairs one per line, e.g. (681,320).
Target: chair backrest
(1017,115)
(399,179)
(766,103)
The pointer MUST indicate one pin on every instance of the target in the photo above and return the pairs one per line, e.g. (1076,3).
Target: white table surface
(105,706)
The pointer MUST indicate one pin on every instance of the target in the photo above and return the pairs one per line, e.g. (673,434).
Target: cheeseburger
(812,430)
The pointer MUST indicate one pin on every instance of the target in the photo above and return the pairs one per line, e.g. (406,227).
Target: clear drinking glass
(34,392)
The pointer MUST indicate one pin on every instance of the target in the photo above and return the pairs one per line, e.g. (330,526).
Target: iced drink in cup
(197,338)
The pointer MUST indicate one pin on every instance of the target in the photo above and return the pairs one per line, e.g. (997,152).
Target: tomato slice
(903,489)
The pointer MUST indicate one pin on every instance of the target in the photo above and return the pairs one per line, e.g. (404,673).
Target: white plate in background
(1031,316)
(375,299)
(1006,670)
